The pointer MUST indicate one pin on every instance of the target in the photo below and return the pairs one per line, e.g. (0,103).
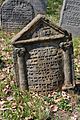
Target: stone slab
(43,57)
(39,6)
(15,14)
(70,16)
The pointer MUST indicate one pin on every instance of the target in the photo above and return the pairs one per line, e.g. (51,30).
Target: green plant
(49,100)
(53,9)
(64,105)
(22,104)
(76,43)
(9,61)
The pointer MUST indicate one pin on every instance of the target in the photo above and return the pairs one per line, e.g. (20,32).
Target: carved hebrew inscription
(16,14)
(43,66)
(70,15)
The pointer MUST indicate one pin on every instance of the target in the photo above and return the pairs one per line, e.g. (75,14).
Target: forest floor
(23,105)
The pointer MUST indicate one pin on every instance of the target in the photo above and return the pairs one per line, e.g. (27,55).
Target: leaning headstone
(15,14)
(70,16)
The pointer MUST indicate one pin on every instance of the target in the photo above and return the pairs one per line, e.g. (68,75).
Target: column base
(67,87)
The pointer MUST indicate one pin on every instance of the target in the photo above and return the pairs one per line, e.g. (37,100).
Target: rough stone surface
(43,59)
(70,16)
(16,14)
(39,6)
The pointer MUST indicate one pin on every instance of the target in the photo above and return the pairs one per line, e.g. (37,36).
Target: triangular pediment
(39,27)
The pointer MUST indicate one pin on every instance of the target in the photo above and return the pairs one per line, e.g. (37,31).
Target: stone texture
(70,16)
(39,6)
(43,56)
(16,14)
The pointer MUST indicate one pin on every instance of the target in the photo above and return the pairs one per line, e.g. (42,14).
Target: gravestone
(43,57)
(39,6)
(15,14)
(70,16)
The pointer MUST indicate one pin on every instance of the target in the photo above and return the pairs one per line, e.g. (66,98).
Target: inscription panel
(44,68)
(16,14)
(70,16)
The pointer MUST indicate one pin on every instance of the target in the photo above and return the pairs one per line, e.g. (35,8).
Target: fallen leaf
(64,94)
(57,100)
(1,103)
(53,108)
(10,98)
(14,105)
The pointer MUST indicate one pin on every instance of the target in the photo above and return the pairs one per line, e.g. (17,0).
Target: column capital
(66,45)
(20,51)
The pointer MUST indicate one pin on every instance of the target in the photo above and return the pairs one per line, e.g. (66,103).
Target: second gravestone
(15,14)
(39,6)
(70,16)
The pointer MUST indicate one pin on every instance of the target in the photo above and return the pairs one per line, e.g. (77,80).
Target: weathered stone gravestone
(70,16)
(39,6)
(43,57)
(15,14)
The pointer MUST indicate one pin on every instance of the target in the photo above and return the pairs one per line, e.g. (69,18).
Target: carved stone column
(22,68)
(16,66)
(68,65)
